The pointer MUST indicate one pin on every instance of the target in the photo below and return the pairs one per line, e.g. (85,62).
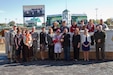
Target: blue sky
(13,9)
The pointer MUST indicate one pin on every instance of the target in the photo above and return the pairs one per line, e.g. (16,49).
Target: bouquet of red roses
(56,40)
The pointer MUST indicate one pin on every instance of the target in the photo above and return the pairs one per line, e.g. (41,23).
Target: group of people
(24,43)
(82,36)
(21,44)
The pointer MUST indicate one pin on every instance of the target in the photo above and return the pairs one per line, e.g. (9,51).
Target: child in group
(57,44)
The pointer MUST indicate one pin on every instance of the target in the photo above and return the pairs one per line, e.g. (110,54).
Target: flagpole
(66,4)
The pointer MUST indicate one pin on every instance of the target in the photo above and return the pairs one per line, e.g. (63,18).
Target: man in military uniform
(12,34)
(99,37)
(35,42)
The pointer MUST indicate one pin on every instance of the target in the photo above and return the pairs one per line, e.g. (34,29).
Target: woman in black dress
(23,45)
(76,39)
(17,40)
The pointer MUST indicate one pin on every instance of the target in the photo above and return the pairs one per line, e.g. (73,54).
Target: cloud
(1,11)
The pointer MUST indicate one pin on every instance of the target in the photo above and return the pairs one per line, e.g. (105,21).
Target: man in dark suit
(43,43)
(66,44)
(63,26)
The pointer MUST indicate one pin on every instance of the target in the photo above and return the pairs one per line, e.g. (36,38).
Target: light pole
(5,21)
(15,20)
(96,13)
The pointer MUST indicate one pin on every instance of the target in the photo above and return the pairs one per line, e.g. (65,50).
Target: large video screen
(33,11)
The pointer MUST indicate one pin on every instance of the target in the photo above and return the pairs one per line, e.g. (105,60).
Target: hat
(58,30)
(55,22)
(33,27)
(14,26)
(64,20)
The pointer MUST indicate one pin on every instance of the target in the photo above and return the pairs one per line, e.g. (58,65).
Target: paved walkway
(47,67)
(3,59)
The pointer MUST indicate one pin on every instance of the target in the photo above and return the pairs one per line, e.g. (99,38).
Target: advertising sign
(37,21)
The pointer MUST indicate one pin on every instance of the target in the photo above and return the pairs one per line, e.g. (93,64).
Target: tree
(11,23)
(95,21)
(109,21)
(2,24)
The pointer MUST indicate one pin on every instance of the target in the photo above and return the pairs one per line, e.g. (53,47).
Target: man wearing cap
(12,34)
(104,26)
(35,43)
